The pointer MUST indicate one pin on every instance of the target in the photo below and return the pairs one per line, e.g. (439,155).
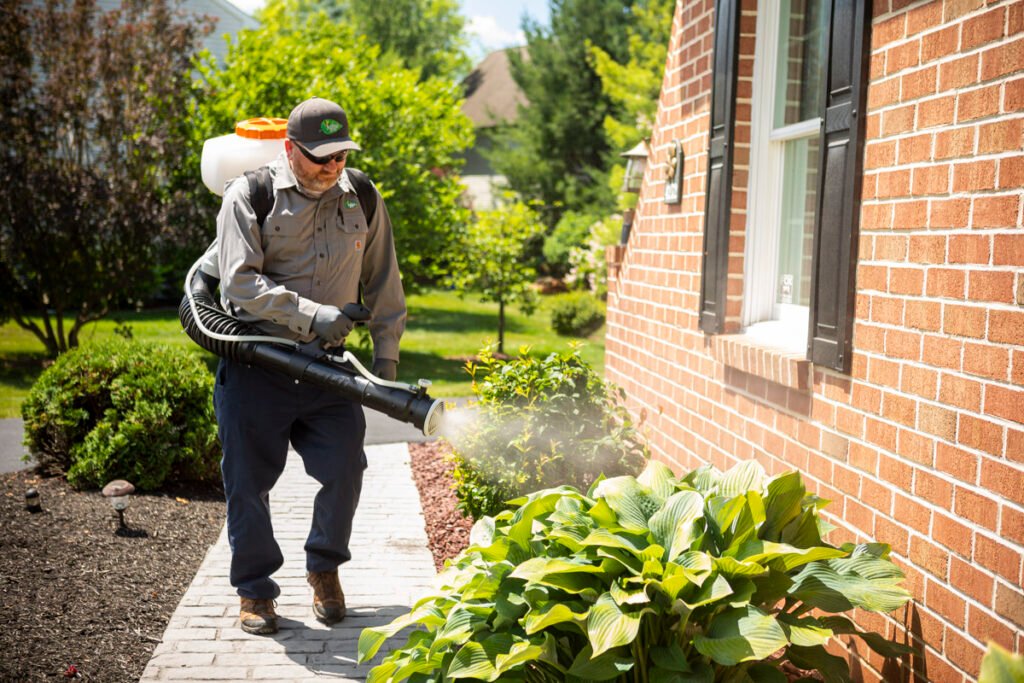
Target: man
(291,276)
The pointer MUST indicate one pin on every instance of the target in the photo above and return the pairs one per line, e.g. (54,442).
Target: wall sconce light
(636,164)
(118,492)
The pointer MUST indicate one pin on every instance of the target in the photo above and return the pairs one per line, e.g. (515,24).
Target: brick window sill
(755,357)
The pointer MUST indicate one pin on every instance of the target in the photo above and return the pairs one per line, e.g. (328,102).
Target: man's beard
(316,184)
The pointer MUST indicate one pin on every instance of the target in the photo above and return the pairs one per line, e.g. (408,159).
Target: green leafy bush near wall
(711,577)
(537,423)
(122,409)
(577,314)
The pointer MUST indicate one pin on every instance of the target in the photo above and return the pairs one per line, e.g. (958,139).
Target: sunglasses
(322,161)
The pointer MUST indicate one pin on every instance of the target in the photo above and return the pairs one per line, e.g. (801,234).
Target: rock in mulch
(447,529)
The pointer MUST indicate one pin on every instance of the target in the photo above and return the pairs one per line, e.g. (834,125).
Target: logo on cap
(329,126)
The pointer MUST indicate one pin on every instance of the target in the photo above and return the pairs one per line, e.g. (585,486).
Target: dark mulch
(447,529)
(74,593)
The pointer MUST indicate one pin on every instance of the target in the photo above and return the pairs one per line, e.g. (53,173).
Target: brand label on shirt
(350,203)
(359,245)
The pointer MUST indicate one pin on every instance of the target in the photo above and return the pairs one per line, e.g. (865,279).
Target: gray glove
(331,325)
(385,368)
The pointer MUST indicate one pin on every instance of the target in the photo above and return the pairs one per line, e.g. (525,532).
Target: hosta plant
(711,577)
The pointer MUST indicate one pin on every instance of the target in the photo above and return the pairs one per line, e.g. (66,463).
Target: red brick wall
(922,446)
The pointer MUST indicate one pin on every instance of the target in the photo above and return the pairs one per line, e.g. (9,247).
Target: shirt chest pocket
(350,231)
(282,237)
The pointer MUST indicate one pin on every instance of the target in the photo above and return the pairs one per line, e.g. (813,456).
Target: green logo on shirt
(329,126)
(350,203)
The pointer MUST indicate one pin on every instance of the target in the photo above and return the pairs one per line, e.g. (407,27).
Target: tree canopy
(489,258)
(410,130)
(93,103)
(558,151)
(425,35)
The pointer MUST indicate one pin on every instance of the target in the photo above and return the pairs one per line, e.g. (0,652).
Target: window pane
(799,197)
(800,67)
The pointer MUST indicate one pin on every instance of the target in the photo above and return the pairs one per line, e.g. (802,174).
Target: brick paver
(390,569)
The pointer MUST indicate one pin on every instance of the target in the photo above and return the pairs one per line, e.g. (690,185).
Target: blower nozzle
(403,402)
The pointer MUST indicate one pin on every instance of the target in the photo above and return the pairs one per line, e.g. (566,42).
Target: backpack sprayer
(256,142)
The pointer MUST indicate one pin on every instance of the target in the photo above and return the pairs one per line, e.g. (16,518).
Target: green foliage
(571,232)
(425,35)
(121,409)
(94,104)
(634,84)
(589,267)
(557,151)
(539,422)
(577,314)
(712,577)
(1001,666)
(411,130)
(488,259)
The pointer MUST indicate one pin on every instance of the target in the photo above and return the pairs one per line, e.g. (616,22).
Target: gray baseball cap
(320,126)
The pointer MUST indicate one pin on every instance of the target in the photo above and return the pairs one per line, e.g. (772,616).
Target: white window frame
(783,325)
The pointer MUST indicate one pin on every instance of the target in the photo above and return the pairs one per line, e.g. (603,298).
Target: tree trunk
(501,326)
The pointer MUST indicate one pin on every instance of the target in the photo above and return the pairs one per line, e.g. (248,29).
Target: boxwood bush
(537,423)
(714,577)
(124,409)
(576,313)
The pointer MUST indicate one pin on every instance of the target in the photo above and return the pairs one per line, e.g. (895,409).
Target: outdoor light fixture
(636,164)
(32,503)
(117,492)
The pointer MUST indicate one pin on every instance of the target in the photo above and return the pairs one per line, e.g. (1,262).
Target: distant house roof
(230,20)
(492,96)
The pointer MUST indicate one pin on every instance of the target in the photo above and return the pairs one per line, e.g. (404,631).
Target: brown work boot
(258,616)
(328,598)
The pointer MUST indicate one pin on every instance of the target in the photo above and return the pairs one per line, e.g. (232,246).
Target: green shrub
(539,422)
(712,578)
(576,314)
(122,409)
(570,233)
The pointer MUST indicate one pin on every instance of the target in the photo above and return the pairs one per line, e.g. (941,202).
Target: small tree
(489,259)
(93,104)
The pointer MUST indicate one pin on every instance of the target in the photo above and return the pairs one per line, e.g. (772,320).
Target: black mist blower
(213,329)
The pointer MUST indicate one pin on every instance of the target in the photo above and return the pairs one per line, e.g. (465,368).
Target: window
(807,132)
(786,125)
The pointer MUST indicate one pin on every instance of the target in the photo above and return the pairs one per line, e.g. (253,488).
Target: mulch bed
(447,529)
(73,593)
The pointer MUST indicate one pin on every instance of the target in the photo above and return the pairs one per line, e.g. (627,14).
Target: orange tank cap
(262,129)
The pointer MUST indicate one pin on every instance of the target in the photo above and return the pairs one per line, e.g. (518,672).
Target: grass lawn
(443,331)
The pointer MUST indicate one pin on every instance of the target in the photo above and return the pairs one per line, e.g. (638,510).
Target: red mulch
(447,529)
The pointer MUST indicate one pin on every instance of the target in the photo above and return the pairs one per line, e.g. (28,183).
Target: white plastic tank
(254,143)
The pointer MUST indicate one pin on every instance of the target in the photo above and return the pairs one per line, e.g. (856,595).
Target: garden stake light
(117,492)
(32,503)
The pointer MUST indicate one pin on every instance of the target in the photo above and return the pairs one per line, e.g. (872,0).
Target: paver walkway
(391,568)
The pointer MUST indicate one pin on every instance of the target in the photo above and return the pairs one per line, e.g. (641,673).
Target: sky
(492,24)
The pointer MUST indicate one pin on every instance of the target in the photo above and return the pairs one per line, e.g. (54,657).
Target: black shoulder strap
(261,192)
(366,192)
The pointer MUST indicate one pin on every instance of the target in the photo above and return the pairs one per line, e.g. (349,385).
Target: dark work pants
(258,413)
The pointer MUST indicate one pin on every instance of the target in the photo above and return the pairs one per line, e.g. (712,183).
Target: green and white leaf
(658,477)
(554,613)
(602,667)
(673,526)
(632,502)
(741,635)
(608,625)
(745,476)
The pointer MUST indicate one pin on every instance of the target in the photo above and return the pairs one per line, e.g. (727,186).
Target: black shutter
(837,219)
(718,207)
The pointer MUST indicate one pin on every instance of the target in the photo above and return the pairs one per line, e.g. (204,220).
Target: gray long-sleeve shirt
(309,252)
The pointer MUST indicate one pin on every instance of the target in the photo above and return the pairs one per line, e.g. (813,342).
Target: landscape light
(118,492)
(32,503)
